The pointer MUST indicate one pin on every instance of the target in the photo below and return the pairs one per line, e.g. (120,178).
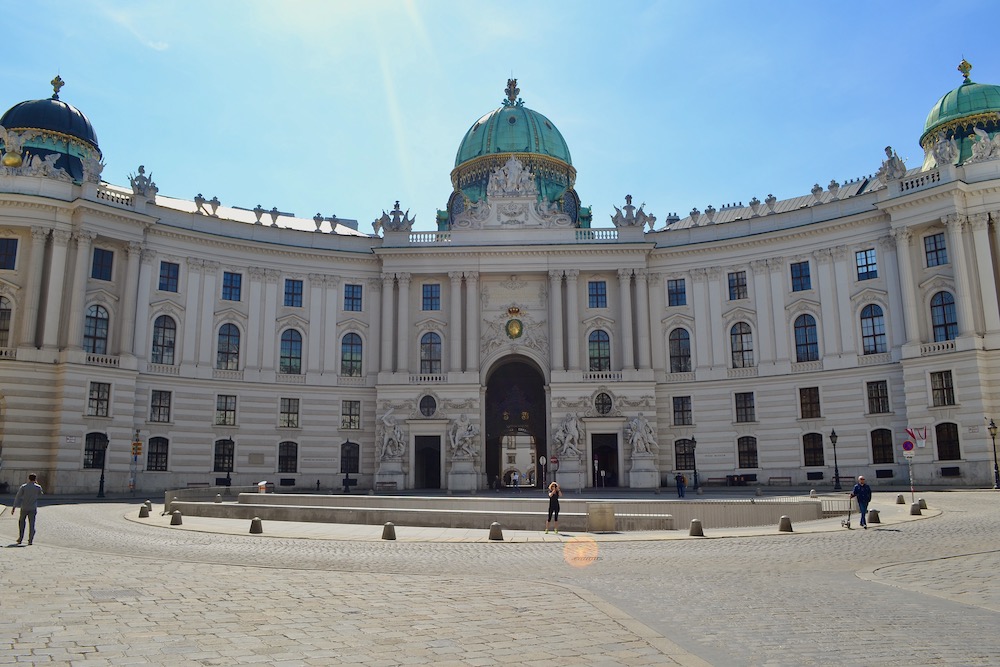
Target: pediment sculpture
(513,179)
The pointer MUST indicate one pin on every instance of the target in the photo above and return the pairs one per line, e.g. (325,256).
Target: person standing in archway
(553,517)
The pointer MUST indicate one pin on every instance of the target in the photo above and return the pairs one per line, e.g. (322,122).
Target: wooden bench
(384,486)
(774,481)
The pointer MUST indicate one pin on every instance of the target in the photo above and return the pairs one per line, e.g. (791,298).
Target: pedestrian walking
(27,499)
(515,479)
(554,493)
(863,493)
(681,484)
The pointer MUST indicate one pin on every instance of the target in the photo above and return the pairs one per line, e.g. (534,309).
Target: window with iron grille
(682,411)
(156,454)
(935,250)
(603,404)
(225,410)
(350,457)
(225,455)
(159,406)
(809,402)
(878,397)
(882,446)
(350,414)
(746,448)
(942,390)
(738,285)
(288,457)
(812,449)
(684,454)
(99,399)
(94,449)
(745,410)
(288,413)
(946,435)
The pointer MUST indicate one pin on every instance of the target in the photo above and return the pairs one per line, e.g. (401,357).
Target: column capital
(39,233)
(655,277)
(979,221)
(555,274)
(61,237)
(195,264)
(641,274)
(83,235)
(902,235)
(256,273)
(759,266)
(700,273)
(133,248)
(472,276)
(455,276)
(572,274)
(271,275)
(403,278)
(838,252)
(953,220)
(147,255)
(211,266)
(624,274)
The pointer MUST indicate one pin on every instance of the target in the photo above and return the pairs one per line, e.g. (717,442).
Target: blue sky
(344,107)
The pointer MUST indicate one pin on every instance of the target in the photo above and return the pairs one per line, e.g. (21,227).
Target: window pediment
(740,313)
(803,305)
(870,295)
(598,322)
(291,322)
(431,324)
(937,283)
(677,320)
(352,323)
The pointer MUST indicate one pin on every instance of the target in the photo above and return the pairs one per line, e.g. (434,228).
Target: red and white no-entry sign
(908,449)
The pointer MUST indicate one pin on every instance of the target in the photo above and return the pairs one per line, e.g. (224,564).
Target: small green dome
(512,128)
(958,114)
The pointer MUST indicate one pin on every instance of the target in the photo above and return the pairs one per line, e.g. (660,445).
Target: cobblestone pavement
(96,589)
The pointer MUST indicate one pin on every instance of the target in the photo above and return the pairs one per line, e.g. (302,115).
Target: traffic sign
(554,462)
(908,449)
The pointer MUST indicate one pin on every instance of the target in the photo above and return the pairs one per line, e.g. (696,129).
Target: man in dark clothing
(681,483)
(27,499)
(863,493)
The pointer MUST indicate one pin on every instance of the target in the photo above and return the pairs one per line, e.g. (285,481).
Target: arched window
(164,337)
(225,455)
(812,449)
(228,357)
(350,457)
(943,317)
(946,435)
(599,350)
(872,330)
(350,355)
(94,448)
(806,346)
(680,351)
(5,311)
(288,457)
(746,448)
(741,343)
(291,353)
(95,331)
(684,454)
(882,446)
(430,353)
(156,454)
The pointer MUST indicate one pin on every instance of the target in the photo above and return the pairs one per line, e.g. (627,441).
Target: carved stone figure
(945,150)
(394,221)
(985,148)
(567,438)
(892,167)
(512,179)
(633,218)
(36,165)
(13,145)
(92,168)
(463,438)
(390,438)
(640,435)
(141,184)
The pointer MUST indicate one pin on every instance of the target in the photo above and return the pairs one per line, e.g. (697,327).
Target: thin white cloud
(127,20)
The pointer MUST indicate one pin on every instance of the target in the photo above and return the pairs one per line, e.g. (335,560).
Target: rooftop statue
(945,150)
(985,148)
(633,218)
(141,184)
(394,221)
(892,167)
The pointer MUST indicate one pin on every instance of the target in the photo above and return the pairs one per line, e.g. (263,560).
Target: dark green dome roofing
(52,115)
(968,103)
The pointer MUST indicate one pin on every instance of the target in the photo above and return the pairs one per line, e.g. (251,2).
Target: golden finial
(964,67)
(57,83)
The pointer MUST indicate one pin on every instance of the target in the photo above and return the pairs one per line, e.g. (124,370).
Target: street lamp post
(104,457)
(694,462)
(996,469)
(836,468)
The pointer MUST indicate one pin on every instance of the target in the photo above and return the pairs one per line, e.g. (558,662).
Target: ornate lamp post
(104,457)
(836,468)
(694,462)
(996,469)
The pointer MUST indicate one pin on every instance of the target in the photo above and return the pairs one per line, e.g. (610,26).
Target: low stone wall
(205,493)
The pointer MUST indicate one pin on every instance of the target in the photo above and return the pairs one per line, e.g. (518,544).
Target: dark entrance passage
(605,472)
(427,462)
(515,424)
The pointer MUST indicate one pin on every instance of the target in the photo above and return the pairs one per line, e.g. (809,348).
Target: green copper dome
(512,128)
(955,115)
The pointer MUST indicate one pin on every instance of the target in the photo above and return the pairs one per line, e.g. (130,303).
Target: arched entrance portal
(515,425)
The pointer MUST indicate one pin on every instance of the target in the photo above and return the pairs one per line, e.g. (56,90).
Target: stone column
(904,261)
(573,318)
(318,328)
(192,302)
(658,300)
(556,361)
(403,330)
(140,346)
(702,317)
(827,298)
(895,329)
(388,330)
(269,336)
(984,264)
(960,261)
(718,334)
(625,330)
(129,297)
(779,341)
(207,331)
(762,294)
(472,321)
(455,321)
(77,291)
(33,288)
(844,321)
(374,342)
(251,351)
(642,308)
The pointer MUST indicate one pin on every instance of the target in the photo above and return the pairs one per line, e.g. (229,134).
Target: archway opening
(515,425)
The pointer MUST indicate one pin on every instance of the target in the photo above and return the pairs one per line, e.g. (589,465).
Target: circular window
(428,406)
(512,120)
(603,404)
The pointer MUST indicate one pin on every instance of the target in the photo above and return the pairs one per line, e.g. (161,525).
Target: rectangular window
(676,292)
(745,411)
(99,400)
(352,297)
(809,402)
(882,447)
(682,411)
(293,293)
(8,253)
(747,451)
(941,388)
(159,406)
(812,449)
(867,267)
(288,457)
(289,413)
(232,286)
(169,275)
(350,414)
(156,454)
(103,264)
(432,297)
(225,455)
(801,280)
(737,285)
(225,410)
(878,397)
(597,294)
(684,454)
(935,250)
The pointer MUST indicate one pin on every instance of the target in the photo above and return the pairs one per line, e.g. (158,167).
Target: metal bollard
(696,529)
(922,503)
(496,532)
(143,512)
(900,500)
(389,531)
(812,493)
(149,505)
(915,509)
(785,524)
(873,516)
(218,497)
(175,518)
(256,527)
(759,491)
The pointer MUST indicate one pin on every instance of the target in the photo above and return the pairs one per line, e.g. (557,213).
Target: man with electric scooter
(863,493)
